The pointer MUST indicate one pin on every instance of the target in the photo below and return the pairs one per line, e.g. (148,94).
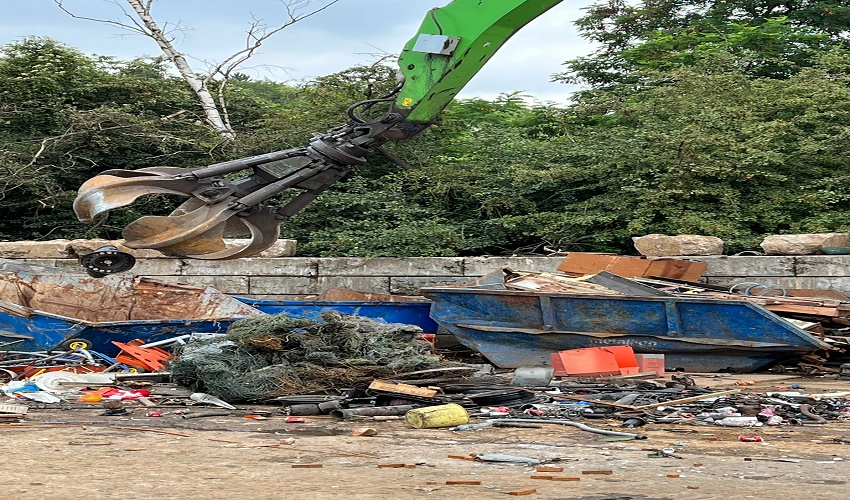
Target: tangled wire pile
(270,356)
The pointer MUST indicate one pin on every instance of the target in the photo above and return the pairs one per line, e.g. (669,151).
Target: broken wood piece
(545,468)
(14,409)
(146,402)
(524,491)
(306,466)
(472,482)
(395,388)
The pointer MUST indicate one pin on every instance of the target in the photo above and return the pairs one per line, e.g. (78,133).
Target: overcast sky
(348,33)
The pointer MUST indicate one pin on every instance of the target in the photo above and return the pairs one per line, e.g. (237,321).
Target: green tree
(65,117)
(768,37)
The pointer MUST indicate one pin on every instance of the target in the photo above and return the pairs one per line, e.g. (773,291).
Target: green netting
(269,356)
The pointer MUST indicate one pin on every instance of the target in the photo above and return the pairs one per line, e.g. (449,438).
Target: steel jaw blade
(118,188)
(263,227)
(198,232)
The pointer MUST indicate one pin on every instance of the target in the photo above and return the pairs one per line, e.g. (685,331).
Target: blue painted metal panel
(42,331)
(516,328)
(409,313)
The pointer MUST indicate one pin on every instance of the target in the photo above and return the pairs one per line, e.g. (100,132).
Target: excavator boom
(452,44)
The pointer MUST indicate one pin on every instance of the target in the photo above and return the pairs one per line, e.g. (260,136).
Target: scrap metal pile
(265,357)
(455,397)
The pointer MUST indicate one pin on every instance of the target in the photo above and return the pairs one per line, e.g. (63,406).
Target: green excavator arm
(453,43)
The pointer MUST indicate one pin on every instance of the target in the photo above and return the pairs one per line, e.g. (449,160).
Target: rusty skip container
(45,308)
(513,328)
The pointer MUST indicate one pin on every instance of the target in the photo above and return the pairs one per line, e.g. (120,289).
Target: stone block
(822,265)
(235,285)
(252,266)
(37,262)
(281,248)
(479,266)
(374,284)
(803,244)
(840,284)
(282,285)
(746,266)
(283,298)
(410,285)
(385,266)
(661,245)
(52,249)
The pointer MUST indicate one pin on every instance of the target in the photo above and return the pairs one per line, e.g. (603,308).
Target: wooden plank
(803,309)
(410,390)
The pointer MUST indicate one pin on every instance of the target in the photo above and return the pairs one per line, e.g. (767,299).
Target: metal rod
(578,425)
(372,411)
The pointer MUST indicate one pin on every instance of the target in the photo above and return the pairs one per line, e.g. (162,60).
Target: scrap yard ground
(74,453)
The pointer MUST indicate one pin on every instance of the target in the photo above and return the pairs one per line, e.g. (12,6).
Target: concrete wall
(301,277)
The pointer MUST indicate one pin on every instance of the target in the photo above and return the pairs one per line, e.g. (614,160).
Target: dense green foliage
(770,38)
(722,118)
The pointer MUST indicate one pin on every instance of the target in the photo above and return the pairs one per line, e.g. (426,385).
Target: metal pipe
(577,425)
(372,411)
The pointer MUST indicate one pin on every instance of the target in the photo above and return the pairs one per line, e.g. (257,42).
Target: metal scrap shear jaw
(196,229)
(119,188)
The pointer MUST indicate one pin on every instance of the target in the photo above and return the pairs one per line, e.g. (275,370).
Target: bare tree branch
(142,22)
(137,28)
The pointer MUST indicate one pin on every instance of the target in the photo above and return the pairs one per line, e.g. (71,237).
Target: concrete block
(479,266)
(252,266)
(143,267)
(281,248)
(840,284)
(282,285)
(822,265)
(661,245)
(281,298)
(235,285)
(33,249)
(410,285)
(374,284)
(746,266)
(803,244)
(414,266)
(156,267)
(39,262)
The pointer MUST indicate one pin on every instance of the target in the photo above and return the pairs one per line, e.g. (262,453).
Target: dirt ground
(78,454)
